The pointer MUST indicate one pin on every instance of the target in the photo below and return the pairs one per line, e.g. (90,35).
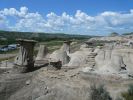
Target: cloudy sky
(91,17)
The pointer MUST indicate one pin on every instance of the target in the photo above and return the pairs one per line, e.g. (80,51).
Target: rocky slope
(64,84)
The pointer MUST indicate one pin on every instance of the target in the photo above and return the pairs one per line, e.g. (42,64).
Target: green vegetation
(129,94)
(53,43)
(52,40)
(9,52)
(9,59)
(117,34)
(40,37)
(99,93)
(131,33)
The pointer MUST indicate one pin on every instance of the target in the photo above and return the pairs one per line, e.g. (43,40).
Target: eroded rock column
(25,60)
(66,46)
(42,56)
(43,51)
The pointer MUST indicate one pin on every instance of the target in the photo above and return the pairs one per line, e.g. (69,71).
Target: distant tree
(34,35)
(130,33)
(114,34)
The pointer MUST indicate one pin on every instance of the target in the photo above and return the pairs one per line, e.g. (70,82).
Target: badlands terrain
(68,72)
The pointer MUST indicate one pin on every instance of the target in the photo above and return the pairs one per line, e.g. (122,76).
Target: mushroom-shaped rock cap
(26,40)
(68,42)
(88,43)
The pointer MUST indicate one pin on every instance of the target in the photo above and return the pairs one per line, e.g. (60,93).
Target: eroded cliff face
(114,60)
(79,58)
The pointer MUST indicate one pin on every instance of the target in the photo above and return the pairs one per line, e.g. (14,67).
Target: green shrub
(99,93)
(119,98)
(129,94)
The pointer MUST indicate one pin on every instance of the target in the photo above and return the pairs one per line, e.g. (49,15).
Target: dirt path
(6,56)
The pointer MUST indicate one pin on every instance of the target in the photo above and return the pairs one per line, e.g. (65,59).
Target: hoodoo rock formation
(114,57)
(25,59)
(62,53)
(114,60)
(66,46)
(79,58)
(69,75)
(42,56)
(42,53)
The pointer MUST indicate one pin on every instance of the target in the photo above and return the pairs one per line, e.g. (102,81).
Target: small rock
(65,70)
(28,82)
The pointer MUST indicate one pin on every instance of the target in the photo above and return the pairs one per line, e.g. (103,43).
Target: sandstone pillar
(25,59)
(43,51)
(66,46)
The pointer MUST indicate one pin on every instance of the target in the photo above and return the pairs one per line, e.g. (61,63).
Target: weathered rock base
(23,69)
(55,65)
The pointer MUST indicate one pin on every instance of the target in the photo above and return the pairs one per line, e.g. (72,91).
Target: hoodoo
(66,46)
(42,53)
(25,59)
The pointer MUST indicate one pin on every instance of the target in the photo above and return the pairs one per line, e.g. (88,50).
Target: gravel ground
(4,56)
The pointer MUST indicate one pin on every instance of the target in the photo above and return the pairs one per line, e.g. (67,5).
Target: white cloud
(13,12)
(3,22)
(23,11)
(10,12)
(131,10)
(80,22)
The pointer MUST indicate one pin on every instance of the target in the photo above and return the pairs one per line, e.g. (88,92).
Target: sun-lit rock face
(114,60)
(66,46)
(110,38)
(42,56)
(42,53)
(61,54)
(25,59)
(79,58)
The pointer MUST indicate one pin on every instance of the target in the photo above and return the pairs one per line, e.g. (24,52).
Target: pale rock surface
(42,53)
(114,60)
(97,49)
(59,85)
(61,54)
(109,38)
(21,57)
(79,58)
(25,56)
(6,65)
(66,46)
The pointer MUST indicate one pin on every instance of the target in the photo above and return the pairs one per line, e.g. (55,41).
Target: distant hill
(13,35)
(131,33)
(114,34)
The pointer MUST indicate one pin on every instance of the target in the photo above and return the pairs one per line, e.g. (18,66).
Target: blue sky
(92,17)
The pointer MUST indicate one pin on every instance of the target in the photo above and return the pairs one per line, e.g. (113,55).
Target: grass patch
(9,52)
(99,93)
(53,43)
(129,94)
(9,58)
